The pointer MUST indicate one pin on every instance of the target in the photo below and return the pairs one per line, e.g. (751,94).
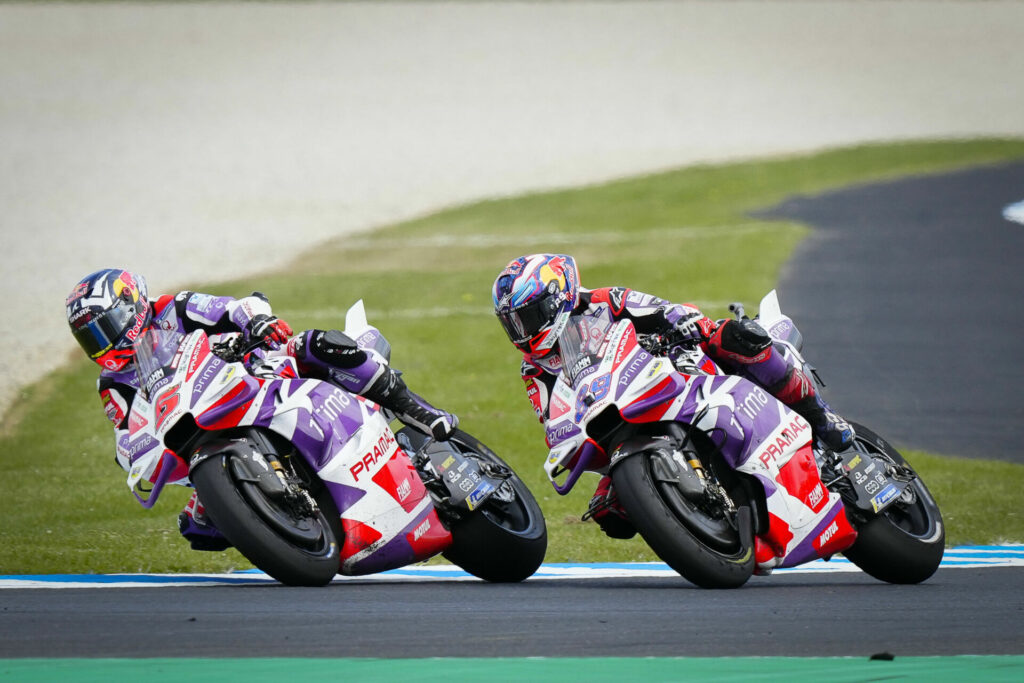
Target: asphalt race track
(909,295)
(928,262)
(958,611)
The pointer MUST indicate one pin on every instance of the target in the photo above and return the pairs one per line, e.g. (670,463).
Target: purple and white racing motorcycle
(720,478)
(307,480)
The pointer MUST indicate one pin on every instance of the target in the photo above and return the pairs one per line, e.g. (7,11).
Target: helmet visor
(99,334)
(525,322)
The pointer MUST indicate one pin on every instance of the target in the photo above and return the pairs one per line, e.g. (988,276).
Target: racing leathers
(739,347)
(329,355)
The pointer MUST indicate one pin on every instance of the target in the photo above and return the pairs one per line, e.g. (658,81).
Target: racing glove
(270,329)
(687,331)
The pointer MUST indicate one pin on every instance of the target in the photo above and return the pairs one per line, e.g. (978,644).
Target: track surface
(959,611)
(909,297)
(914,313)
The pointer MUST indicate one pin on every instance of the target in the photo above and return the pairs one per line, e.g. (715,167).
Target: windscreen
(154,353)
(581,344)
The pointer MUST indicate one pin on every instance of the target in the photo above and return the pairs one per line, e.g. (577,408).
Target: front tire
(906,542)
(707,549)
(296,548)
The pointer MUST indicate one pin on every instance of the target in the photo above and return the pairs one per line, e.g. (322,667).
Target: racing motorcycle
(308,480)
(721,479)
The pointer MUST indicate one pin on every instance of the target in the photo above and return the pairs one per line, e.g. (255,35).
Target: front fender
(246,461)
(670,461)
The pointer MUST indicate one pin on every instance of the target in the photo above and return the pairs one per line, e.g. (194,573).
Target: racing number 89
(596,391)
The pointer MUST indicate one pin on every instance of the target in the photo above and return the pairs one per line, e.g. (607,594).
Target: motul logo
(421,530)
(827,535)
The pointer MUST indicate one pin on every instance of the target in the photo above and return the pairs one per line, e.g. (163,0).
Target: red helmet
(107,311)
(533,298)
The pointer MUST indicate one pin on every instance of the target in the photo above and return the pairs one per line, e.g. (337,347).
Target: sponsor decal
(201,303)
(580,365)
(383,449)
(140,320)
(403,490)
(617,298)
(194,360)
(136,422)
(77,293)
(79,314)
(622,350)
(774,449)
(366,339)
(815,496)
(828,533)
(887,494)
(199,386)
(707,326)
(632,370)
(112,407)
(421,530)
(448,463)
(479,494)
(753,403)
(333,406)
(780,329)
(561,430)
(634,297)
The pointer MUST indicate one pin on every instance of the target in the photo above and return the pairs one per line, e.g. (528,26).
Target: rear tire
(705,550)
(247,518)
(906,542)
(498,542)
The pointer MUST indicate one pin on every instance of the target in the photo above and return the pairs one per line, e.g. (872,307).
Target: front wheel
(906,542)
(290,539)
(707,544)
(505,539)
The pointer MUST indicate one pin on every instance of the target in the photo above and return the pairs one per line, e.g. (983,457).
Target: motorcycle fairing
(760,436)
(345,440)
(756,433)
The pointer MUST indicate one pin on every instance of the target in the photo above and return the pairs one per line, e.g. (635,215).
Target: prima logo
(753,403)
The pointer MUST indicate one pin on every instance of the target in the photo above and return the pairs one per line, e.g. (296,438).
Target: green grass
(684,235)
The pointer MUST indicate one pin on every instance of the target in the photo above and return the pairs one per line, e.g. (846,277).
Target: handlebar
(736,308)
(235,350)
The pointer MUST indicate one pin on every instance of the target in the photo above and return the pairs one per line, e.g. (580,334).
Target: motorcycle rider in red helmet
(109,309)
(535,295)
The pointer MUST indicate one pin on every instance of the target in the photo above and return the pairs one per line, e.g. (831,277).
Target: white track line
(967,557)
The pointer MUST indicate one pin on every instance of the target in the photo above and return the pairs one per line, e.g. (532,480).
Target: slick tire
(904,544)
(253,523)
(498,542)
(704,550)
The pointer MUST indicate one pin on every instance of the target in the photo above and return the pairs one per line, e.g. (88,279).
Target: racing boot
(334,355)
(198,528)
(609,514)
(830,428)
(389,391)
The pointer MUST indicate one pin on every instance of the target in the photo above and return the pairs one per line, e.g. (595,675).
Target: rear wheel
(505,539)
(696,536)
(289,538)
(906,542)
